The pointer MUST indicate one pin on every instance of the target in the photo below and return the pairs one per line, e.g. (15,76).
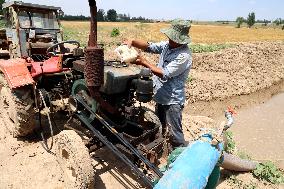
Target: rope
(50,124)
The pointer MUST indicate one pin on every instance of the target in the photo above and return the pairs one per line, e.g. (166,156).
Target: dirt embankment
(242,70)
(241,76)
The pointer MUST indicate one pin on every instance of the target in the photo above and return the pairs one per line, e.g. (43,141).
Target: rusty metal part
(93,29)
(79,65)
(94,68)
(78,52)
(16,72)
(152,149)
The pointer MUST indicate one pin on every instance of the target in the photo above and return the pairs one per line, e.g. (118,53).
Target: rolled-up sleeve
(177,66)
(156,48)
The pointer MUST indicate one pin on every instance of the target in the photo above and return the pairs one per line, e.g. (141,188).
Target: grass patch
(190,79)
(237,183)
(2,24)
(234,181)
(269,172)
(231,144)
(200,48)
(115,32)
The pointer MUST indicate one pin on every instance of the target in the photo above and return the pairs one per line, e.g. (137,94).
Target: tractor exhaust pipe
(94,67)
(94,27)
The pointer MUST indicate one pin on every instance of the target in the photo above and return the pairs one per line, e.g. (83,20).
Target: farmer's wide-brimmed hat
(178,32)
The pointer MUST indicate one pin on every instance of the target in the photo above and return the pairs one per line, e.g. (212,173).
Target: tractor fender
(16,72)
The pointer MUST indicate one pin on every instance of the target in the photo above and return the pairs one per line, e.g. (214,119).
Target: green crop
(200,48)
(269,172)
(115,32)
(231,144)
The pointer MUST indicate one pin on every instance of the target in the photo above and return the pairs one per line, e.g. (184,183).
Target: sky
(202,10)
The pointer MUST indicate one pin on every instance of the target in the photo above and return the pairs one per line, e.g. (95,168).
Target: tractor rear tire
(74,159)
(151,116)
(17,108)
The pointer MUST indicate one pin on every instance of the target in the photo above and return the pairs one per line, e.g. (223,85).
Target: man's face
(173,44)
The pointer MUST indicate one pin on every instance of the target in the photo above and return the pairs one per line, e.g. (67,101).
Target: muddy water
(259,130)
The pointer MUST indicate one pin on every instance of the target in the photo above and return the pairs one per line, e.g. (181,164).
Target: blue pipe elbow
(193,167)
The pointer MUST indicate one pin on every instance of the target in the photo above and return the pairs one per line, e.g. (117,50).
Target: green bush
(269,172)
(115,32)
(190,79)
(2,24)
(240,21)
(231,144)
(200,48)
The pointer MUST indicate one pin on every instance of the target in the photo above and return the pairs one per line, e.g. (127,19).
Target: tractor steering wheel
(51,48)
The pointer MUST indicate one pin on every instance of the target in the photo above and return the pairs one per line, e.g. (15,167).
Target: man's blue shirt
(176,64)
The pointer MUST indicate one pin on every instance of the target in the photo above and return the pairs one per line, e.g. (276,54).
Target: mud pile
(244,69)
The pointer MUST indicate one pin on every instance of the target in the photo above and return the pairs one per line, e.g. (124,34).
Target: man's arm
(155,48)
(137,43)
(155,70)
(173,69)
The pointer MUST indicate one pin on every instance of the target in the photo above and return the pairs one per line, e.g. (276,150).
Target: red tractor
(36,79)
(38,64)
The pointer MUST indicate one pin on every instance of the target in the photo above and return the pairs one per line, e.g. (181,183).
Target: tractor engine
(124,89)
(108,102)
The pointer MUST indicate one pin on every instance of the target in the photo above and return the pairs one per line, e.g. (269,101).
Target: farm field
(207,34)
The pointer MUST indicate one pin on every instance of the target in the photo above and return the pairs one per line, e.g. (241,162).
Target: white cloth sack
(126,54)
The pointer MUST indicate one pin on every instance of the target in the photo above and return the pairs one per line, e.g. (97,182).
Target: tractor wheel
(74,159)
(150,116)
(17,108)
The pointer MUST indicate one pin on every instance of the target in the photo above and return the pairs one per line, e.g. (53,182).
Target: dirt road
(25,164)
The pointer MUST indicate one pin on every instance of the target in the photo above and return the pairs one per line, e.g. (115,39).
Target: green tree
(111,15)
(1,2)
(123,17)
(101,15)
(251,19)
(265,22)
(240,21)
(278,21)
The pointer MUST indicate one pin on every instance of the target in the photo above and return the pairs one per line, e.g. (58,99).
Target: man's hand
(143,62)
(136,43)
(140,60)
(127,42)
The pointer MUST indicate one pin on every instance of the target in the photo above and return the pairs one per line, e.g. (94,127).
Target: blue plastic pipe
(193,167)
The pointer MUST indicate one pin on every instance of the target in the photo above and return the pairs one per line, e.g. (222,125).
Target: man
(170,76)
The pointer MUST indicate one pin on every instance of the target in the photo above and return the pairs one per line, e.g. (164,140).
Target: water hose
(234,163)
